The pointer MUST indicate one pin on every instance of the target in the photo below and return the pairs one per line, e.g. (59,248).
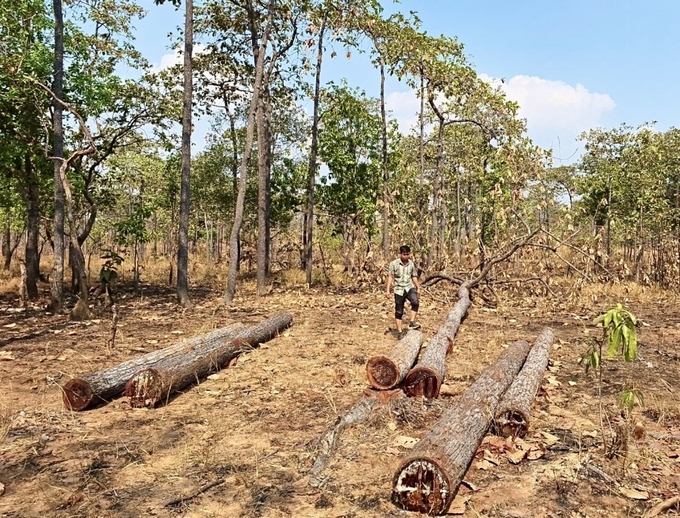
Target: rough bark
(32,234)
(328,443)
(57,287)
(427,376)
(148,387)
(80,393)
(427,481)
(184,206)
(386,372)
(313,156)
(513,414)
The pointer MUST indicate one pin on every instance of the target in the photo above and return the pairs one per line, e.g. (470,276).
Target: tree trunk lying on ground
(80,393)
(513,414)
(428,480)
(146,388)
(386,372)
(427,376)
(328,443)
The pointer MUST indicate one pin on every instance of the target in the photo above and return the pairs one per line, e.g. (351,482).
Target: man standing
(403,275)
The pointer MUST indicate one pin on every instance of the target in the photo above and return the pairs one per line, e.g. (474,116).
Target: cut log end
(77,394)
(382,373)
(144,389)
(422,486)
(513,423)
(422,381)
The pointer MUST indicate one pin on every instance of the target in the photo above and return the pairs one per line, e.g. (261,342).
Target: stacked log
(428,480)
(83,392)
(148,387)
(387,371)
(426,378)
(513,414)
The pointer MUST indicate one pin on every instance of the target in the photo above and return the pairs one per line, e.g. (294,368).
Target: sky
(572,65)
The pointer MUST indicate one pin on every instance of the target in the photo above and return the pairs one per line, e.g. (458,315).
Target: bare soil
(250,432)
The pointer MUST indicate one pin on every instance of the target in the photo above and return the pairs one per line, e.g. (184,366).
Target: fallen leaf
(634,494)
(553,381)
(13,324)
(484,464)
(592,433)
(550,439)
(152,341)
(639,430)
(459,505)
(515,457)
(364,326)
(6,356)
(2,489)
(572,383)
(177,332)
(405,441)
(491,458)
(214,377)
(392,425)
(535,453)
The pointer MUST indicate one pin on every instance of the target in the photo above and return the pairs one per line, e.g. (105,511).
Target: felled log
(427,376)
(428,479)
(101,386)
(513,414)
(148,387)
(328,443)
(386,372)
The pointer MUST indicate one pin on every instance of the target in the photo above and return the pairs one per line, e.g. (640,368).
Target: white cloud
(555,109)
(176,57)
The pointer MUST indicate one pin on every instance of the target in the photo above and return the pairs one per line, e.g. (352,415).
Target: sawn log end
(422,485)
(422,381)
(382,373)
(77,394)
(145,388)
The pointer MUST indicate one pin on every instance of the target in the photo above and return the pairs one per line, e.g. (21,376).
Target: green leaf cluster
(620,332)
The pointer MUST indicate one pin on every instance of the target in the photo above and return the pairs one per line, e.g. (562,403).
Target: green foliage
(109,270)
(620,333)
(629,398)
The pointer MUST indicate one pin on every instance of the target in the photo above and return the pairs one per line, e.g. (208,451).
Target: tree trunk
(386,372)
(513,414)
(243,166)
(385,172)
(80,393)
(57,287)
(148,387)
(183,241)
(427,481)
(263,194)
(313,154)
(32,234)
(427,376)
(328,443)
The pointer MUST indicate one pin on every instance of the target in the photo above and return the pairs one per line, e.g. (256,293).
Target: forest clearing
(201,202)
(252,429)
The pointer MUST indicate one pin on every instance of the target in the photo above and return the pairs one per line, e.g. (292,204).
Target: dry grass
(5,417)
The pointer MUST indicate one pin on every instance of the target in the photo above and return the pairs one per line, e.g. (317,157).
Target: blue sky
(572,65)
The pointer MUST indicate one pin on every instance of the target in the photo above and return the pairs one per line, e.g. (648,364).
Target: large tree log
(100,386)
(148,387)
(386,372)
(513,414)
(428,480)
(427,376)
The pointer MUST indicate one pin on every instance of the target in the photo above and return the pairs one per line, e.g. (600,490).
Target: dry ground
(256,423)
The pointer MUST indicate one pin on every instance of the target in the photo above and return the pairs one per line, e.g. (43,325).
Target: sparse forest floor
(256,423)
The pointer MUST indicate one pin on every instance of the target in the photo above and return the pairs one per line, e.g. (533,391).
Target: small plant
(620,335)
(620,332)
(109,272)
(629,398)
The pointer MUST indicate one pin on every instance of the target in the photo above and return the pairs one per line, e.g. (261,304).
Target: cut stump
(148,387)
(386,372)
(101,386)
(426,378)
(427,481)
(514,411)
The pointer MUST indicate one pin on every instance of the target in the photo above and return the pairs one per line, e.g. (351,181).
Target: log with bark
(426,378)
(148,387)
(387,371)
(513,414)
(83,392)
(428,480)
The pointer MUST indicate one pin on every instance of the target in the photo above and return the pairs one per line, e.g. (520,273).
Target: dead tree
(386,372)
(148,387)
(426,378)
(513,414)
(80,393)
(427,481)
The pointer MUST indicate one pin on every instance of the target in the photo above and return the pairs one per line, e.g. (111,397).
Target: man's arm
(390,281)
(416,283)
